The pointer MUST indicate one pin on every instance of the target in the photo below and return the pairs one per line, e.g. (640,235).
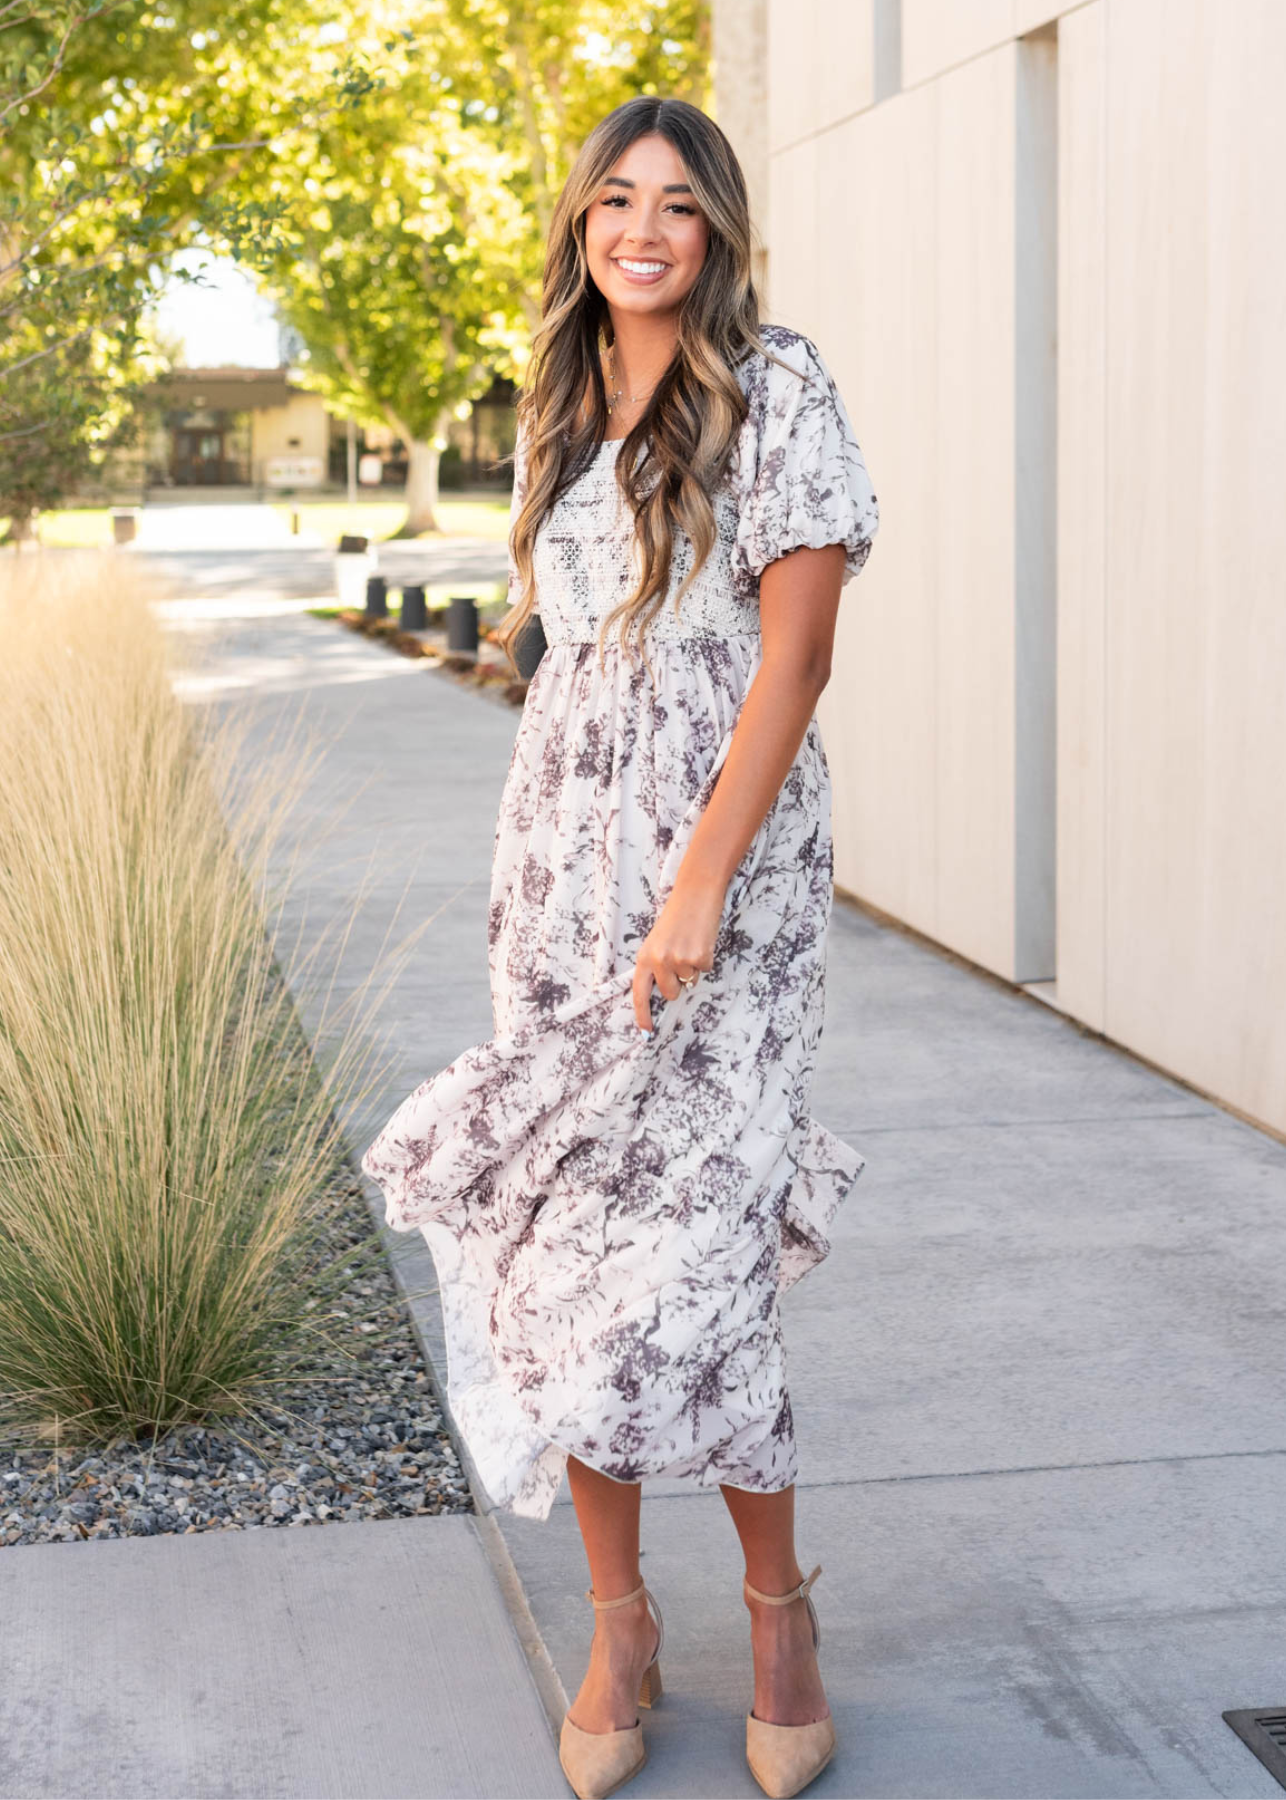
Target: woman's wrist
(702,877)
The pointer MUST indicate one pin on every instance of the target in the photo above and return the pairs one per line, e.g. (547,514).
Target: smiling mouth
(637,266)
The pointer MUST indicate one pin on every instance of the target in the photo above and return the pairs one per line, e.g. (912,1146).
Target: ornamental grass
(166,1138)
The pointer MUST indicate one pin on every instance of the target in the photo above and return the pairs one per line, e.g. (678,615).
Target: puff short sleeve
(811,487)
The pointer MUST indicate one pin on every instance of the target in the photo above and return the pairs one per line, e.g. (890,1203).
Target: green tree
(123,129)
(395,268)
(412,230)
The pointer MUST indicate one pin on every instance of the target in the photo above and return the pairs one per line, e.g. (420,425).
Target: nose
(644,229)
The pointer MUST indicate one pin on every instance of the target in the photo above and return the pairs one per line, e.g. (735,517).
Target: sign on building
(293,471)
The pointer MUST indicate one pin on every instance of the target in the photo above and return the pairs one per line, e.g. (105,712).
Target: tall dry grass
(165,1140)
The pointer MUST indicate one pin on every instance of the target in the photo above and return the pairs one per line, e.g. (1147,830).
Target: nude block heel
(651,1690)
(785,1758)
(598,1762)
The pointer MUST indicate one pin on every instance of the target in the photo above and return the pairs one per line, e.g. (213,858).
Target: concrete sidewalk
(350,1664)
(231,550)
(1037,1384)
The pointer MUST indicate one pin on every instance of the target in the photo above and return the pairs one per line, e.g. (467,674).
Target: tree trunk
(421,489)
(22,529)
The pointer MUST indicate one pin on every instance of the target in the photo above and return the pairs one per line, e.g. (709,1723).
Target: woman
(617,1187)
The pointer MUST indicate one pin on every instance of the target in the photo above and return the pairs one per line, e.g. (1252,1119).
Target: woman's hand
(681,943)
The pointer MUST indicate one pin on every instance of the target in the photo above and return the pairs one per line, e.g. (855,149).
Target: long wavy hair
(678,451)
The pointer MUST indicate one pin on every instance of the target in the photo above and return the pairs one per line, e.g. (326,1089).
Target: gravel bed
(361,1438)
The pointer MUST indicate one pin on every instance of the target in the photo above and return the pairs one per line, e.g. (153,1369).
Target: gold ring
(688,980)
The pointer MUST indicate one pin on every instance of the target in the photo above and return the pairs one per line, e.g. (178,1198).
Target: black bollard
(462,625)
(376,597)
(414,614)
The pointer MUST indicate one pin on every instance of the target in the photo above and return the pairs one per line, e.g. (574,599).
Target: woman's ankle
(612,1594)
(778,1583)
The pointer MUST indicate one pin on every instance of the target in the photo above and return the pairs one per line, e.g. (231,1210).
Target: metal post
(414,613)
(462,624)
(376,597)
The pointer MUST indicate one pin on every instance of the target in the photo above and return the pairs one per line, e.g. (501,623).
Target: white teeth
(641,268)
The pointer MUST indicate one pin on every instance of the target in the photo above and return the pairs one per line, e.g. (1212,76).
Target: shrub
(165,1138)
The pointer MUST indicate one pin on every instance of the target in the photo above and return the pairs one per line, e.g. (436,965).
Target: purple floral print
(613,1217)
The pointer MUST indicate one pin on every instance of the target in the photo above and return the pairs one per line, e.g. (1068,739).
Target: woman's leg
(788,1685)
(625,1637)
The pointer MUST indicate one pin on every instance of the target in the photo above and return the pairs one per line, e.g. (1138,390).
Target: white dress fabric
(613,1217)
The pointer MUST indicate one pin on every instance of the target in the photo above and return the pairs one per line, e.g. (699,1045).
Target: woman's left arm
(799,597)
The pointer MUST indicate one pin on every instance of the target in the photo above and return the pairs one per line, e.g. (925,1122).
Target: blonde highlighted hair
(689,428)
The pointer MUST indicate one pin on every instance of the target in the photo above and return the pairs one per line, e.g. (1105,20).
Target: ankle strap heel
(598,1762)
(784,1758)
(650,1687)
(799,1592)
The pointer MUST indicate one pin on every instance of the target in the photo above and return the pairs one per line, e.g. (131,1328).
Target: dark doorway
(198,457)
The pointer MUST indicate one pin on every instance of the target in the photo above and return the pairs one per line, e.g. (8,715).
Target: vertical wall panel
(822,57)
(1029,15)
(973,521)
(790,73)
(1196,542)
(877,329)
(1082,485)
(919,716)
(939,34)
(794,271)
(843,58)
(741,103)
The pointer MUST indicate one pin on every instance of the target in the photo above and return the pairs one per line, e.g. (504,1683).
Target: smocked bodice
(586,563)
(796,478)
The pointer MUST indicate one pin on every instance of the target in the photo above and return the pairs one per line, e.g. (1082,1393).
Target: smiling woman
(631,245)
(620,1184)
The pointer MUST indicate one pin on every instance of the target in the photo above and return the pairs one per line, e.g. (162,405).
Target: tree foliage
(413,229)
(123,130)
(390,174)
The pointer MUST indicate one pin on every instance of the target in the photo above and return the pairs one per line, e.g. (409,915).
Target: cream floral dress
(613,1217)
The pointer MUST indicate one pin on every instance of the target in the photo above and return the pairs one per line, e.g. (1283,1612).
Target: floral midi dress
(613,1217)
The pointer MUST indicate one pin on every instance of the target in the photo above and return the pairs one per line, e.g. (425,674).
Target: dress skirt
(613,1218)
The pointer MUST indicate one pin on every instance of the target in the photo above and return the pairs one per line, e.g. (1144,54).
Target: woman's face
(645,235)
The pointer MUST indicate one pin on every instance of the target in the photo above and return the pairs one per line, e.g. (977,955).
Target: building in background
(1040,248)
(259,429)
(235,428)
(474,444)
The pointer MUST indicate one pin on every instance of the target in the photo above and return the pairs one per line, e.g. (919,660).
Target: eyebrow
(671,187)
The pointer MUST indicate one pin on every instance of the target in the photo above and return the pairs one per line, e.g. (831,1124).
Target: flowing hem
(519,1463)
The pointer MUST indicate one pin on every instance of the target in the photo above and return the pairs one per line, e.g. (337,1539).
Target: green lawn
(78,528)
(464,515)
(461,516)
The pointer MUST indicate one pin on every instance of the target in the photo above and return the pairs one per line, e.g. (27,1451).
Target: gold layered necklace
(615,394)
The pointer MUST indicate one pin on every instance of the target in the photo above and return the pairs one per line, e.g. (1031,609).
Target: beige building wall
(741,56)
(1041,248)
(299,428)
